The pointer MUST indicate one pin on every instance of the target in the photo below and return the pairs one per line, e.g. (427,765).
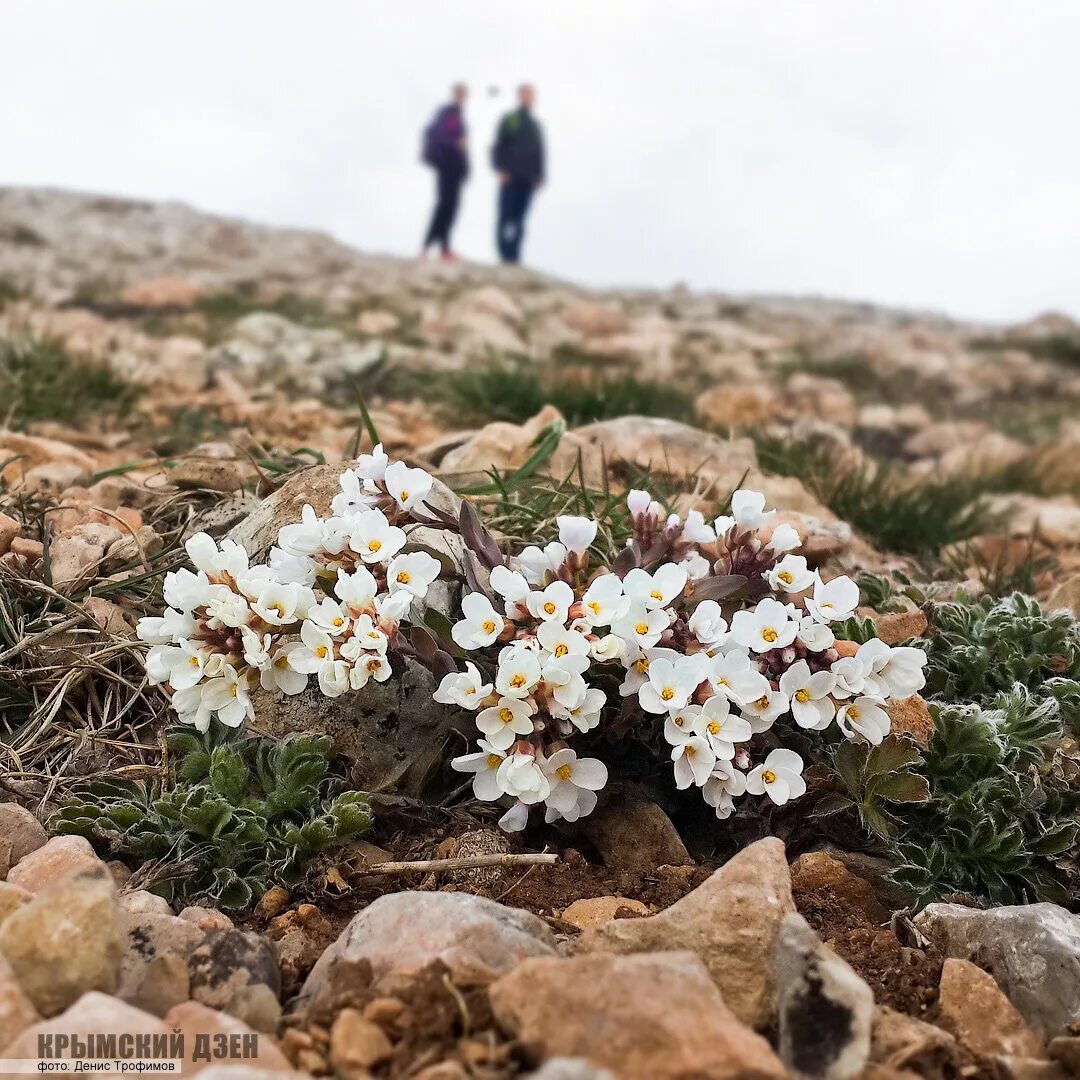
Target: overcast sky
(916,152)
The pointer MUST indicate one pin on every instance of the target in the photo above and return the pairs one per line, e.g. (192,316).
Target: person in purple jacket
(445,149)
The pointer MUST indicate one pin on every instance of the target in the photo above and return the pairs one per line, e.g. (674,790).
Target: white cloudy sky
(919,152)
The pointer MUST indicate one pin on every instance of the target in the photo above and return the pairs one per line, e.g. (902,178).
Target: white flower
(482,623)
(329,615)
(656,590)
(764,711)
(256,648)
(671,683)
(715,722)
(294,569)
(522,776)
(186,591)
(392,609)
(182,665)
(748,509)
(227,697)
(695,530)
(277,603)
(412,573)
(504,722)
(641,627)
(163,630)
(604,601)
(515,819)
(725,781)
(536,564)
(809,695)
(357,590)
(191,706)
(317,649)
(817,637)
(850,673)
(280,674)
(409,487)
(518,671)
(586,714)
(563,676)
(574,783)
(560,641)
(734,676)
(465,688)
(785,538)
(226,608)
(334,678)
(694,761)
(638,502)
(695,565)
(367,636)
(576,534)
(510,585)
(374,539)
(205,555)
(355,495)
(305,537)
(790,575)
(766,627)
(485,766)
(708,624)
(779,777)
(895,671)
(833,601)
(552,603)
(608,647)
(864,716)
(372,466)
(369,666)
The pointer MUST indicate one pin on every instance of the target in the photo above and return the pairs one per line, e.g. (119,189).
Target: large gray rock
(1032,951)
(403,932)
(825,1009)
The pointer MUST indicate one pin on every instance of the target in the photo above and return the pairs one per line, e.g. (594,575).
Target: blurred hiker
(446,151)
(518,158)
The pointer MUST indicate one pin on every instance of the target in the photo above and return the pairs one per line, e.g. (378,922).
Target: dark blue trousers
(514,198)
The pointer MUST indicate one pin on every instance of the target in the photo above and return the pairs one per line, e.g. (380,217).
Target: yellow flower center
(689,750)
(561,649)
(762,702)
(403,577)
(678,721)
(488,627)
(194,661)
(374,545)
(235,689)
(667,693)
(518,681)
(713,728)
(339,621)
(321,652)
(564,772)
(657,595)
(722,681)
(853,713)
(786,577)
(594,607)
(802,695)
(493,761)
(769,634)
(374,665)
(641,628)
(550,608)
(404,495)
(768,777)
(279,608)
(506,715)
(641,666)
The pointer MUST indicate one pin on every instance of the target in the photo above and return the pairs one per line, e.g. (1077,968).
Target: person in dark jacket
(518,158)
(446,151)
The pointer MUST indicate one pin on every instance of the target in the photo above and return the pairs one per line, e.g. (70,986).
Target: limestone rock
(655,1016)
(819,871)
(228,966)
(9,529)
(564,1068)
(12,897)
(825,1008)
(161,293)
(19,827)
(731,921)
(195,1019)
(597,910)
(972,1007)
(910,716)
(402,932)
(735,406)
(902,1042)
(898,627)
(66,941)
(142,902)
(594,320)
(356,1042)
(16,1011)
(1032,951)
(632,833)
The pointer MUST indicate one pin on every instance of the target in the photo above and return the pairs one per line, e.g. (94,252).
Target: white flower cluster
(327,604)
(712,676)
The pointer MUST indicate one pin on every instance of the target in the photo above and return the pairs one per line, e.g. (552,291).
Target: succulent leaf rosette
(708,641)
